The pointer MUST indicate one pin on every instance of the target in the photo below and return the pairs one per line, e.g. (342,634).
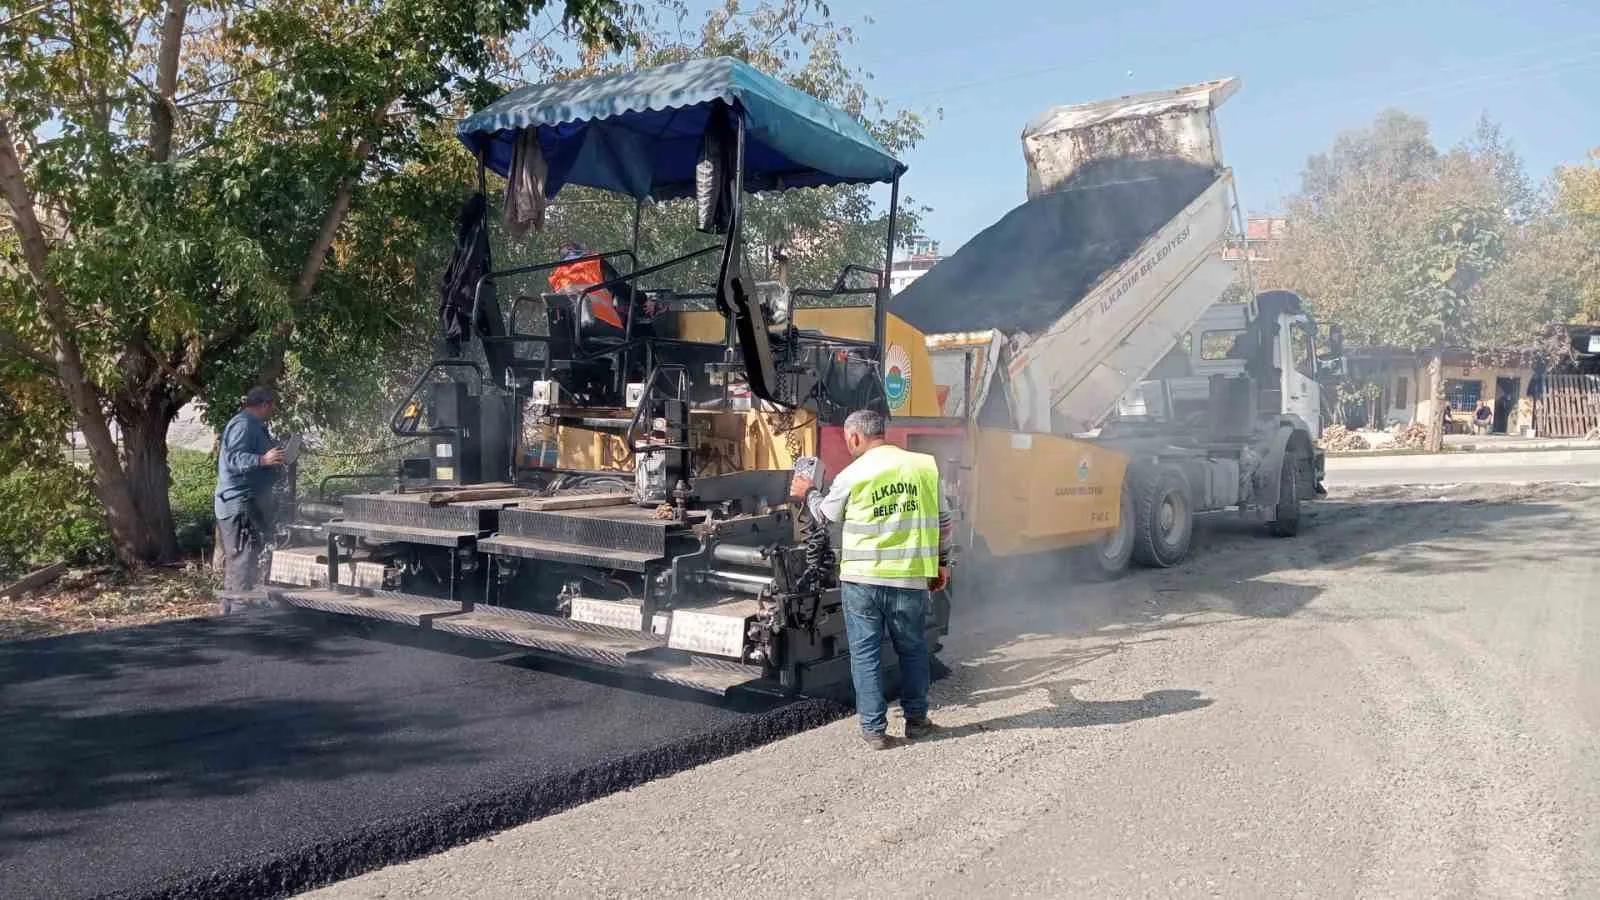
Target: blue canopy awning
(640,133)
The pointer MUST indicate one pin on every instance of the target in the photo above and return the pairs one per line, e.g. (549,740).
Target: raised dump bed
(1024,272)
(1112,258)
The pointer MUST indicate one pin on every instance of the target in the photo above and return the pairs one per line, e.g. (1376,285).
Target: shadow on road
(1028,624)
(59,760)
(1067,711)
(108,656)
(156,717)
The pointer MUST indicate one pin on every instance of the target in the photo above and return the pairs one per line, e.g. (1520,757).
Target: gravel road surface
(259,754)
(1402,702)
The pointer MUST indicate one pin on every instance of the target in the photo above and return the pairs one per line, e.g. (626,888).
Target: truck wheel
(1286,522)
(1164,523)
(1108,557)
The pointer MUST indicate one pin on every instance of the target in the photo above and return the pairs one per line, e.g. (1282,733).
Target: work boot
(920,728)
(879,741)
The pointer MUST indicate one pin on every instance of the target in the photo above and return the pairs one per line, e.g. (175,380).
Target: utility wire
(1489,79)
(1231,36)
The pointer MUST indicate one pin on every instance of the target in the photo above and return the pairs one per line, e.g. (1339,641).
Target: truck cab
(1219,344)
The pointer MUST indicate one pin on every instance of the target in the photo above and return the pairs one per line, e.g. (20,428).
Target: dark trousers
(244,539)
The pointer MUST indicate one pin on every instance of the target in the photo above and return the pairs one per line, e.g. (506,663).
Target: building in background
(1261,233)
(920,256)
(1401,398)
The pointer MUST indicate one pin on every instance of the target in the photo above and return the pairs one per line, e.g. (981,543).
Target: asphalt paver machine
(608,468)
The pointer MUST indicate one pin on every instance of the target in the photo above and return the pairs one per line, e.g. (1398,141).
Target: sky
(981,70)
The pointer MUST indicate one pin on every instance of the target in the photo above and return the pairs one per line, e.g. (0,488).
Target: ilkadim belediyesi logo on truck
(896,376)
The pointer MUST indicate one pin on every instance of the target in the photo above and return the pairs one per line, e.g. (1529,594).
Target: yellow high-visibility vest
(891,523)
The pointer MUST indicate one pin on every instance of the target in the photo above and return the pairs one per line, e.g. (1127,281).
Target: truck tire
(1108,557)
(1164,518)
(1286,521)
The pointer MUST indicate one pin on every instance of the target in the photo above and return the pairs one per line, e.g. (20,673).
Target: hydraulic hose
(820,560)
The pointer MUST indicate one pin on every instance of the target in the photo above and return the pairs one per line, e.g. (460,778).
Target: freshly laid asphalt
(259,755)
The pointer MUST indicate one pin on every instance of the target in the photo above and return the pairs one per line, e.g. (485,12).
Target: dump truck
(1086,337)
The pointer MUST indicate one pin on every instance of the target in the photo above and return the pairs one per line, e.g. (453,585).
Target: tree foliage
(1577,202)
(1407,246)
(1398,242)
(208,195)
(1442,275)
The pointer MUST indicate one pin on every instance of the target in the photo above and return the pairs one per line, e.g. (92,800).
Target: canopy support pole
(621,381)
(880,304)
(735,226)
(638,210)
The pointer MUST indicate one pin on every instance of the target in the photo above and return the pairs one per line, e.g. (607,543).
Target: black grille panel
(572,554)
(636,535)
(413,513)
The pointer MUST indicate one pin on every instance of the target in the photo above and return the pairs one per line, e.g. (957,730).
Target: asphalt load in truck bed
(258,755)
(1025,271)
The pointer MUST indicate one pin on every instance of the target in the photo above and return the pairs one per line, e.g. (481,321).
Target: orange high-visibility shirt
(573,277)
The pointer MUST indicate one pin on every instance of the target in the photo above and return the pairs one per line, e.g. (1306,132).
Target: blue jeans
(868,609)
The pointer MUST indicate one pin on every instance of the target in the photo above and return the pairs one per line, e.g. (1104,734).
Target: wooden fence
(1569,407)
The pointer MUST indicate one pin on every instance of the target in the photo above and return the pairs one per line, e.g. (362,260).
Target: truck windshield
(1215,345)
(1305,354)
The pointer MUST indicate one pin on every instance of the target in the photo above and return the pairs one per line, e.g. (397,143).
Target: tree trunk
(144,447)
(110,483)
(163,114)
(316,257)
(1436,391)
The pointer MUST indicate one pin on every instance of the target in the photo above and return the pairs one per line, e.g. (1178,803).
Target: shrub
(194,480)
(51,515)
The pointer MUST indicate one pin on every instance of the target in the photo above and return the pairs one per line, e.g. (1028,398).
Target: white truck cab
(1216,345)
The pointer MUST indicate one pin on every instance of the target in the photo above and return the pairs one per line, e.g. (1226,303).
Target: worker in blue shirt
(247,467)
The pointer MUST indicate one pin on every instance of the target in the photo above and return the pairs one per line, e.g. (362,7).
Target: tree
(1498,173)
(1577,202)
(1408,247)
(210,196)
(1395,149)
(1359,202)
(1442,276)
(204,196)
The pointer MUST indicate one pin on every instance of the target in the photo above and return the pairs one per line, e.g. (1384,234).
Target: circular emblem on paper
(896,376)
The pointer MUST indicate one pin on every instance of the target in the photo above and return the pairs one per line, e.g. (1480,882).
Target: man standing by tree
(246,469)
(895,549)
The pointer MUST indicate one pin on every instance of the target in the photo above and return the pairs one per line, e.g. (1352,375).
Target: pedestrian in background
(247,468)
(894,550)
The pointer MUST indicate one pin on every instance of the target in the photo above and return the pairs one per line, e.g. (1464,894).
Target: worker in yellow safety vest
(894,549)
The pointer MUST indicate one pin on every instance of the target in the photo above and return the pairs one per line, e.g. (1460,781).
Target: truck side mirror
(1336,341)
